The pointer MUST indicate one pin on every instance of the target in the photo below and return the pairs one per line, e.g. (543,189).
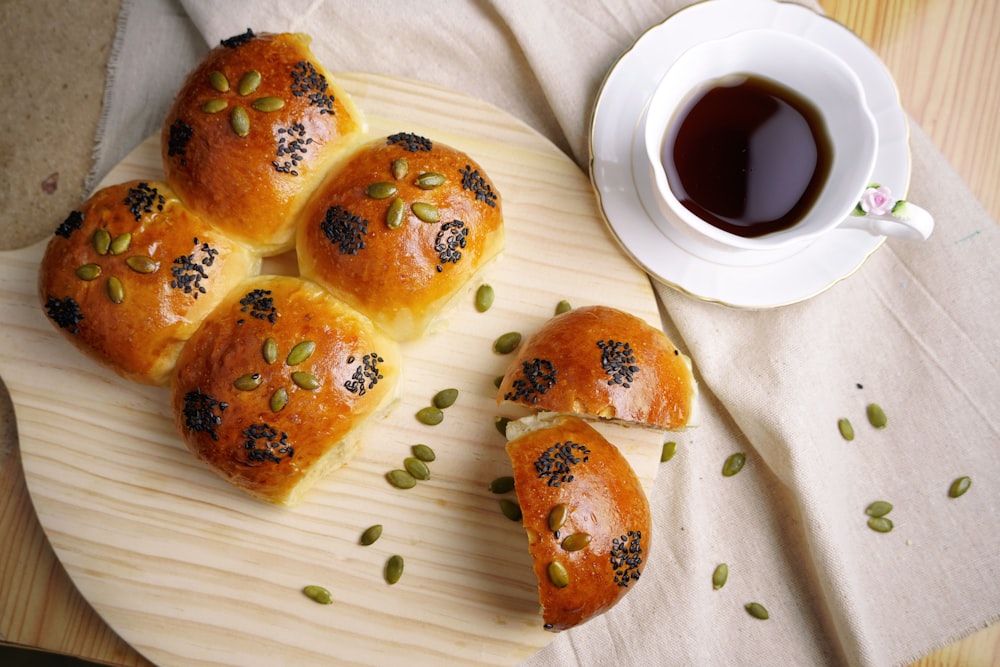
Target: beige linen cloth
(915,330)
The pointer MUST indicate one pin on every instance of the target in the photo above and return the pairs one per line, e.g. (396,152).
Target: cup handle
(880,214)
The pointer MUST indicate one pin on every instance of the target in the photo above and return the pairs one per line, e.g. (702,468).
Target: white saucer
(621,103)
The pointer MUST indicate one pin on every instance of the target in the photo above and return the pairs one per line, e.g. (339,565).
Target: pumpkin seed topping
(400,167)
(248,382)
(876,416)
(142,264)
(558,574)
(880,524)
(879,508)
(503,484)
(381,190)
(279,399)
(424,453)
(88,271)
(426,212)
(116,291)
(757,610)
(417,468)
(371,535)
(270,350)
(719,576)
(576,541)
(120,243)
(507,343)
(558,516)
(300,352)
(445,398)
(218,81)
(268,104)
(239,119)
(431,416)
(845,428)
(510,509)
(430,180)
(248,83)
(304,380)
(401,479)
(101,241)
(318,594)
(214,105)
(733,464)
(395,213)
(959,487)
(484,298)
(393,569)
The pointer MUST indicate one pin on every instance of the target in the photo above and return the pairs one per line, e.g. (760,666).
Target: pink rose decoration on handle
(878,200)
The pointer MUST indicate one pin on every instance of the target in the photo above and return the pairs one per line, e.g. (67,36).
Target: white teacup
(847,197)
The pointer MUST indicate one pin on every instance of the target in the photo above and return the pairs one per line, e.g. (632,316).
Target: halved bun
(598,362)
(276,387)
(564,466)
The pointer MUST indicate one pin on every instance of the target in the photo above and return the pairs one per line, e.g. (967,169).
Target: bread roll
(252,131)
(277,386)
(400,230)
(602,363)
(129,275)
(588,560)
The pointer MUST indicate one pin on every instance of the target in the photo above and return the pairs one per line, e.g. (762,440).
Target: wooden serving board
(191,571)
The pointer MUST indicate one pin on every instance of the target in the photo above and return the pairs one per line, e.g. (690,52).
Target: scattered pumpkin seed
(268,104)
(142,264)
(503,484)
(423,452)
(879,508)
(395,213)
(401,479)
(846,430)
(431,416)
(510,509)
(445,398)
(218,81)
(318,594)
(300,352)
(430,180)
(248,382)
(669,449)
(120,243)
(719,576)
(501,424)
(497,381)
(214,105)
(959,487)
(239,119)
(426,212)
(116,291)
(371,535)
(558,516)
(417,468)
(484,298)
(507,343)
(279,399)
(381,190)
(733,464)
(306,381)
(101,241)
(88,271)
(880,524)
(876,415)
(248,82)
(393,569)
(576,541)
(400,167)
(558,574)
(757,610)
(270,350)
(563,307)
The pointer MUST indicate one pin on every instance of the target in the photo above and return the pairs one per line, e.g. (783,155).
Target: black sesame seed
(238,40)
(73,222)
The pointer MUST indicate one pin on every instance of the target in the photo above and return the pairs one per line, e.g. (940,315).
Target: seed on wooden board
(563,307)
(248,382)
(501,424)
(279,399)
(510,509)
(423,452)
(371,535)
(318,594)
(401,479)
(669,449)
(381,190)
(116,291)
(445,398)
(417,468)
(878,508)
(576,541)
(880,524)
(268,104)
(101,241)
(845,428)
(430,180)
(733,464)
(400,167)
(300,352)
(395,213)
(426,212)
(484,298)
(876,415)
(88,272)
(393,569)
(270,350)
(558,516)
(214,105)
(431,416)
(959,487)
(239,119)
(142,264)
(497,381)
(720,575)
(248,82)
(503,484)
(757,610)
(507,343)
(558,574)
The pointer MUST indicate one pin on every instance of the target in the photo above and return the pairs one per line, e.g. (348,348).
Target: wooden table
(943,55)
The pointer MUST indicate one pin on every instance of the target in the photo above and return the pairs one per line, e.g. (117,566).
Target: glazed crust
(252,186)
(602,363)
(183,268)
(402,277)
(277,455)
(568,462)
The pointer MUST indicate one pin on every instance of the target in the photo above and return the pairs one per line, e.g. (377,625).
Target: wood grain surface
(943,55)
(191,571)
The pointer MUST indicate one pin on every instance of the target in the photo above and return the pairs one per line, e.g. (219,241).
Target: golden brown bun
(277,455)
(602,363)
(172,270)
(567,462)
(252,186)
(402,277)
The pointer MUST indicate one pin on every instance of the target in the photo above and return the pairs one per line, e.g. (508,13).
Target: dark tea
(747,155)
